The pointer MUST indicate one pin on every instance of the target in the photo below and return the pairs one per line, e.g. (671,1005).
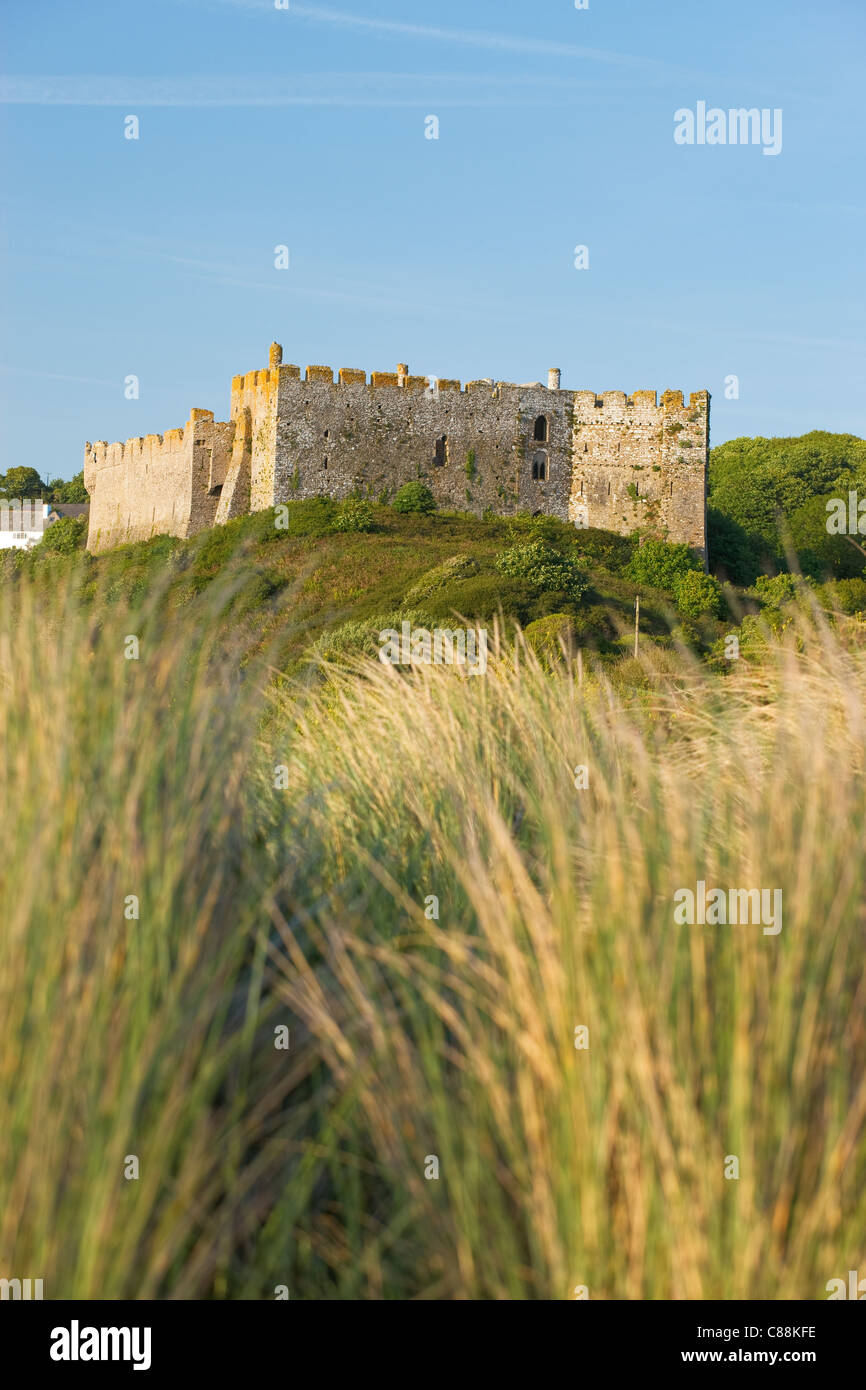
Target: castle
(612,461)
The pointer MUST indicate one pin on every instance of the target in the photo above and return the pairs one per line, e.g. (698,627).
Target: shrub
(313,516)
(259,590)
(548,636)
(65,536)
(604,548)
(686,633)
(697,593)
(454,568)
(660,565)
(775,590)
(539,565)
(414,497)
(482,597)
(848,595)
(355,514)
(361,636)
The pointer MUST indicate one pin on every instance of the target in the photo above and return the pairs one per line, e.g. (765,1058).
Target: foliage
(553,636)
(775,590)
(454,568)
(543,567)
(761,486)
(847,595)
(21,482)
(661,564)
(413,497)
(354,514)
(361,637)
(65,536)
(72,490)
(697,593)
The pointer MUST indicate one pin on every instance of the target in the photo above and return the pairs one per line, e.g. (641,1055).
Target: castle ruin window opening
(539,466)
(540,433)
(440,456)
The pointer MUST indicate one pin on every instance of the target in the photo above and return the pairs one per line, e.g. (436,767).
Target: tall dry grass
(414,1035)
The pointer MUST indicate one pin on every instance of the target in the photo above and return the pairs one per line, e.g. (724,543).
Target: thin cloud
(57,376)
(371,89)
(548,48)
(470,38)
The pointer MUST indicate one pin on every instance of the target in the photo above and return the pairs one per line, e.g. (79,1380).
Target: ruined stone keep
(613,461)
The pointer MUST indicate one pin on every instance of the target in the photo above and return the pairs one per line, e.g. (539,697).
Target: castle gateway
(612,461)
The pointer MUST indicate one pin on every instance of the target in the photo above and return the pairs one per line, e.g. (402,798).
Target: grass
(298,584)
(402,871)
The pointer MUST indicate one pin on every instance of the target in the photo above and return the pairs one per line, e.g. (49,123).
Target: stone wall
(612,461)
(638,462)
(474,448)
(156,485)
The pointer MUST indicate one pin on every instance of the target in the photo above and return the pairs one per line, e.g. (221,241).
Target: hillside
(323,578)
(313,584)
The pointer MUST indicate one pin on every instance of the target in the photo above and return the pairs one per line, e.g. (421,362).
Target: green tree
(72,490)
(760,485)
(22,482)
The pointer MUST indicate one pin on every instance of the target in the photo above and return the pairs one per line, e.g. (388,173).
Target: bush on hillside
(361,636)
(312,516)
(697,593)
(662,565)
(65,536)
(775,590)
(544,568)
(454,568)
(554,636)
(354,514)
(414,497)
(848,595)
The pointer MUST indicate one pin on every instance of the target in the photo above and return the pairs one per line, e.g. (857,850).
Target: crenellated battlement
(608,459)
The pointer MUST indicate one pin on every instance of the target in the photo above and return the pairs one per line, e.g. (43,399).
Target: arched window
(440,457)
(540,434)
(539,466)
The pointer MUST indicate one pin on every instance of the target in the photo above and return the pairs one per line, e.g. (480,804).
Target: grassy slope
(301,583)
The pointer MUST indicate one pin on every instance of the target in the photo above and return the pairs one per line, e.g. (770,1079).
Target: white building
(23,522)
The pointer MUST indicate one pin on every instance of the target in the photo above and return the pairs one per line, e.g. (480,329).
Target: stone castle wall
(160,484)
(612,461)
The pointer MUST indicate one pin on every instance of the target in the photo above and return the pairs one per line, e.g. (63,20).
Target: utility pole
(636,621)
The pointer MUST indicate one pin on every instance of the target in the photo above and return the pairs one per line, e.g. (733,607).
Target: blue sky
(262,127)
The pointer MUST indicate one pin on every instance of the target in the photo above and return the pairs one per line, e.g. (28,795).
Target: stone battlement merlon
(101,454)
